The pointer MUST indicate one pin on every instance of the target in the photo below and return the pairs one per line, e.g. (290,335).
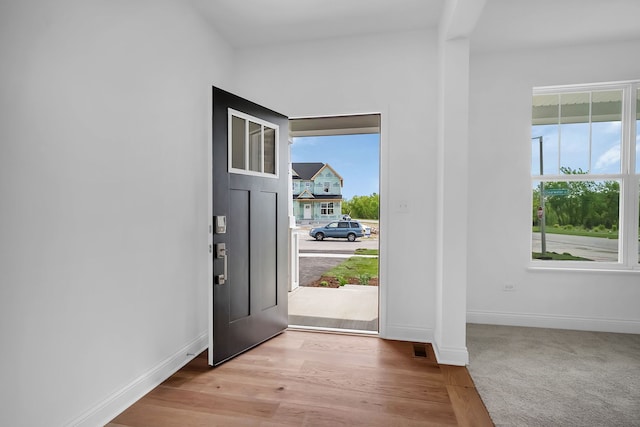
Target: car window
(332,225)
(343,225)
(355,225)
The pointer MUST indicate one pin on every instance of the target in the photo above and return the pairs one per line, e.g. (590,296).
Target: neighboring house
(317,192)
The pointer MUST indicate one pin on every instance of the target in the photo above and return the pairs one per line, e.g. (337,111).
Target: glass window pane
(606,140)
(580,221)
(574,131)
(606,131)
(549,134)
(237,142)
(545,109)
(606,106)
(269,150)
(574,147)
(638,131)
(255,147)
(574,107)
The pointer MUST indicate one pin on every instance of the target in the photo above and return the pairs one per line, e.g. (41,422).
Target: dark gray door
(249,175)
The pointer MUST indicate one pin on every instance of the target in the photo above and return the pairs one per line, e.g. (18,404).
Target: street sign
(556,191)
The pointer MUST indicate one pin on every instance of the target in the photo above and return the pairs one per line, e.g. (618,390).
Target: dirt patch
(311,269)
(332,282)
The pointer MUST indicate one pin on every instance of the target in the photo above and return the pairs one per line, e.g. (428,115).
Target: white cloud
(613,127)
(608,158)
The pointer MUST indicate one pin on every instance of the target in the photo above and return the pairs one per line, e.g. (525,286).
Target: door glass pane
(606,131)
(255,147)
(237,142)
(580,221)
(269,150)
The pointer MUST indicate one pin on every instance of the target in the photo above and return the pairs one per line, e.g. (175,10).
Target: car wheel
(351,237)
(319,236)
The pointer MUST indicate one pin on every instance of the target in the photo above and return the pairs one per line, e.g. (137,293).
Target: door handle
(221,253)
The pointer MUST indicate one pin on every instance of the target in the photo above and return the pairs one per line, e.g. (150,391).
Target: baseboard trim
(120,400)
(407,333)
(451,355)
(554,322)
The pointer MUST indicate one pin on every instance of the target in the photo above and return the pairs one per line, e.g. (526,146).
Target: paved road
(316,257)
(309,244)
(595,248)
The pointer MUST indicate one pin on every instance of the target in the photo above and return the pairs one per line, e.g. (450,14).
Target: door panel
(266,228)
(250,305)
(239,259)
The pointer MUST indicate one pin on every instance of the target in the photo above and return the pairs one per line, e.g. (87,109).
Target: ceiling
(514,24)
(248,23)
(503,24)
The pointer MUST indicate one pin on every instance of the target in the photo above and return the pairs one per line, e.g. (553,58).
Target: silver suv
(338,229)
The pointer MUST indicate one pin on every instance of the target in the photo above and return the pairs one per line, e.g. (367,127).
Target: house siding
(323,189)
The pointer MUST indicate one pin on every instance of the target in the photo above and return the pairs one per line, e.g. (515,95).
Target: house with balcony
(317,192)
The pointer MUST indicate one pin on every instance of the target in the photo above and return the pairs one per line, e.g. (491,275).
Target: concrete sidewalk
(351,307)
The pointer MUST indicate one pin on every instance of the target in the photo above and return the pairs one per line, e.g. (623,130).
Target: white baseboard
(407,333)
(450,355)
(554,321)
(120,400)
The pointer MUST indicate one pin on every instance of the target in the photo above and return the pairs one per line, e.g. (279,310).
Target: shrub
(364,278)
(342,281)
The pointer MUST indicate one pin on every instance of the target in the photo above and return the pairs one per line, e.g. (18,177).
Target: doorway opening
(335,211)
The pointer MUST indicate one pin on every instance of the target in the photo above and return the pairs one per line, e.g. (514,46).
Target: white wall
(104,118)
(499,196)
(395,75)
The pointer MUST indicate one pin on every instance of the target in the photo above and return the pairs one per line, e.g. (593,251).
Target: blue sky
(355,157)
(605,147)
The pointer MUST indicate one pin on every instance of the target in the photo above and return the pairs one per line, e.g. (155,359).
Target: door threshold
(332,330)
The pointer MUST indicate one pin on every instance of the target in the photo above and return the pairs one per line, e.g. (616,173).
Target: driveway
(311,251)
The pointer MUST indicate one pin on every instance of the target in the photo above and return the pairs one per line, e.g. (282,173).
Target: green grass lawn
(354,267)
(363,251)
(578,232)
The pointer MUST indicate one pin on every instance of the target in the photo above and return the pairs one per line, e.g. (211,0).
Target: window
(327,187)
(252,145)
(585,175)
(326,208)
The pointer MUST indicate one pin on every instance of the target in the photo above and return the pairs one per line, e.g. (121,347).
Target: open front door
(249,298)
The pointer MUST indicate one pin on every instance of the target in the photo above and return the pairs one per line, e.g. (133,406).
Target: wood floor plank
(468,407)
(314,379)
(456,375)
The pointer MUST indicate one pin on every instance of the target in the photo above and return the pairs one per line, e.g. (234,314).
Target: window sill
(573,268)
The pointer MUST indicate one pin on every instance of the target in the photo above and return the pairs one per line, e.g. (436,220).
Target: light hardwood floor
(314,379)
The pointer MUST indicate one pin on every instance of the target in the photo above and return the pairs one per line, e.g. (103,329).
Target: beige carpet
(550,377)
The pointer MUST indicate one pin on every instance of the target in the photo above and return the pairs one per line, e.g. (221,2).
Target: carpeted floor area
(551,377)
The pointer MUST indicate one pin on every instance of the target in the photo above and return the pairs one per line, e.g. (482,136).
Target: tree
(588,204)
(363,207)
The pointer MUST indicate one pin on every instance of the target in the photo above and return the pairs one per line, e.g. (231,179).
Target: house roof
(309,171)
(306,171)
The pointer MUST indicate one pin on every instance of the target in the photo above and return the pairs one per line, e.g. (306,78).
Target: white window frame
(628,177)
(263,123)
(324,206)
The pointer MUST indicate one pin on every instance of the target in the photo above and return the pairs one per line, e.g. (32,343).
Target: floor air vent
(420,350)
